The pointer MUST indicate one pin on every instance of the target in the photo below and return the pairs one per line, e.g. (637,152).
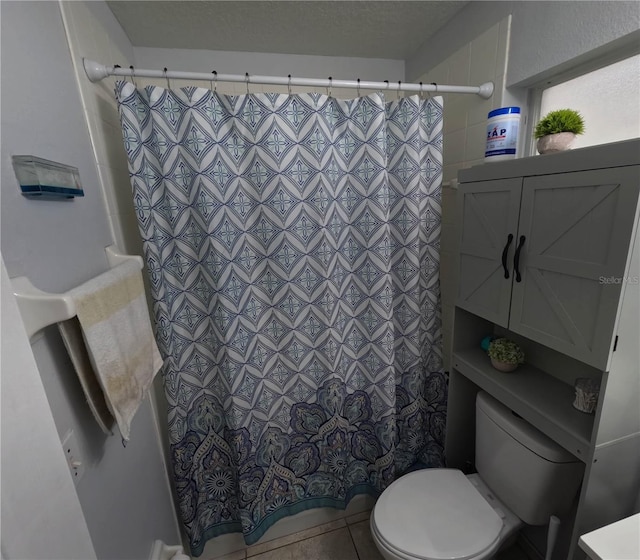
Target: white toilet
(438,514)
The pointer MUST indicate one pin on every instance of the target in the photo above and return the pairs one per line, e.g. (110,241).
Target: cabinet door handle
(505,253)
(516,258)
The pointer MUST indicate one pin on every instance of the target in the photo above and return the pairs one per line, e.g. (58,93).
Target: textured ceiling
(385,29)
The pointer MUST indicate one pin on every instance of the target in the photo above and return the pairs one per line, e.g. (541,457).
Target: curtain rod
(96,72)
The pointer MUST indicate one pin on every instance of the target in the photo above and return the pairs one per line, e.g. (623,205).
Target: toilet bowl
(459,518)
(441,514)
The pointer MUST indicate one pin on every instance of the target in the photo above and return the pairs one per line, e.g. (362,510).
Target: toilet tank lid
(523,432)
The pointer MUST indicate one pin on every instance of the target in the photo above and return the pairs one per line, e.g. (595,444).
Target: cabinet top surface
(617,154)
(618,540)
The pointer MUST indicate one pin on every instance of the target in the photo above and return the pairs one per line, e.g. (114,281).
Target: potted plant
(505,354)
(557,130)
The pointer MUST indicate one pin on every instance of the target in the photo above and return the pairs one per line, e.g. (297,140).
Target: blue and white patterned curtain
(292,243)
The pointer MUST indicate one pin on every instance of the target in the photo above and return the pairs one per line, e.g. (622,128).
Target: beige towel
(113,314)
(74,342)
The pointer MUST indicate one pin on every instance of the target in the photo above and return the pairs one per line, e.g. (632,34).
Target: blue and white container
(503,128)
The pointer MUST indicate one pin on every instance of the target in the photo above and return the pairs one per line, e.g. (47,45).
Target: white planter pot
(503,366)
(555,142)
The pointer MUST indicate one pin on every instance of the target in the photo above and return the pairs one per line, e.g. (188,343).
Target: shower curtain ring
(421,94)
(214,82)
(399,87)
(289,84)
(386,89)
(246,79)
(166,78)
(358,90)
(428,94)
(435,85)
(330,88)
(133,76)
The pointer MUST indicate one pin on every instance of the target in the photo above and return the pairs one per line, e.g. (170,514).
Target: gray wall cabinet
(534,252)
(549,256)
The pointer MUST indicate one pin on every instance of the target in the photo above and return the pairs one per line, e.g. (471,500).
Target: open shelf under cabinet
(541,399)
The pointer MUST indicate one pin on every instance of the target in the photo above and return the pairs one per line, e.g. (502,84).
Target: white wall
(228,62)
(34,469)
(547,37)
(124,493)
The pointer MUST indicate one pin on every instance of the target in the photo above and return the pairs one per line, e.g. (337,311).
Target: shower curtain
(292,246)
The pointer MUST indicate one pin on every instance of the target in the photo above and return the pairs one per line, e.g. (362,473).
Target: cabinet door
(577,229)
(487,214)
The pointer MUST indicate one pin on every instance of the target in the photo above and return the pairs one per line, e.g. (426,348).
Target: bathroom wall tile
(132,242)
(205,84)
(76,52)
(108,145)
(483,51)
(459,66)
(83,28)
(475,142)
(126,233)
(454,144)
(116,154)
(447,347)
(439,75)
(449,207)
(498,97)
(119,197)
(448,266)
(335,545)
(450,172)
(104,175)
(258,549)
(118,55)
(448,274)
(361,535)
(105,106)
(455,113)
(473,162)
(276,89)
(448,310)
(478,110)
(515,97)
(448,238)
(446,283)
(118,232)
(105,109)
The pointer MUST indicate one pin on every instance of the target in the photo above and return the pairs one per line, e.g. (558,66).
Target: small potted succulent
(557,130)
(505,354)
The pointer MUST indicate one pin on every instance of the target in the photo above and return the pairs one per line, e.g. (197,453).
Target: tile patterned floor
(345,539)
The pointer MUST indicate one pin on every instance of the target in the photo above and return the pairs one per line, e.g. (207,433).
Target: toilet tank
(529,472)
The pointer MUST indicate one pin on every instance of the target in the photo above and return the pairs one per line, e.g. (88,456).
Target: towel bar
(40,309)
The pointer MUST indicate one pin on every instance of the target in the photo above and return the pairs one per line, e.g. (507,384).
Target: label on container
(502,137)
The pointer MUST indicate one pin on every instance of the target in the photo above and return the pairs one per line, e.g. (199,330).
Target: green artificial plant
(505,351)
(562,120)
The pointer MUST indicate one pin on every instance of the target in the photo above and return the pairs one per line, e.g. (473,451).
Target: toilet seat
(435,514)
